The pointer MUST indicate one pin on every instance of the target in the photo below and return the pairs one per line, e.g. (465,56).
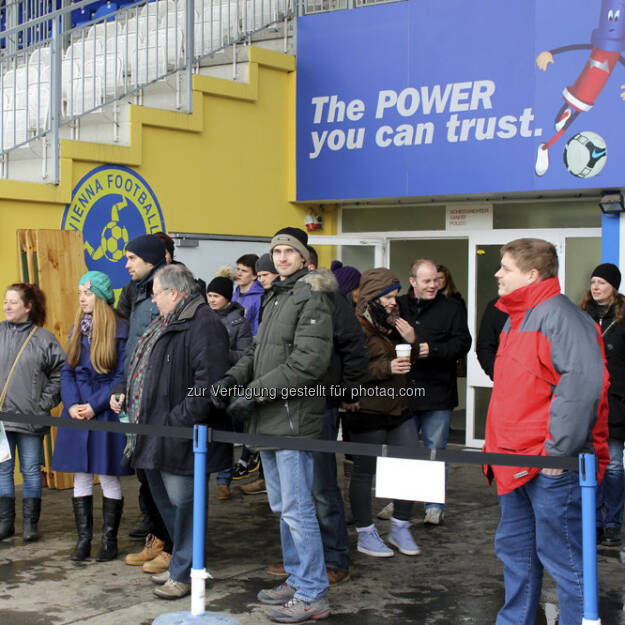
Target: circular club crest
(112,205)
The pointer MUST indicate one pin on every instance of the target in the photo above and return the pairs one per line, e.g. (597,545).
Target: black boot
(31,507)
(111,516)
(83,513)
(7,517)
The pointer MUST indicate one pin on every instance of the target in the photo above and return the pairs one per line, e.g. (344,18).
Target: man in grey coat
(282,396)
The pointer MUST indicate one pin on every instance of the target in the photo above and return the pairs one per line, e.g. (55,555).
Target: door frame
(476,378)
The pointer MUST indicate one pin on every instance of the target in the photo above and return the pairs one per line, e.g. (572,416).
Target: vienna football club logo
(112,205)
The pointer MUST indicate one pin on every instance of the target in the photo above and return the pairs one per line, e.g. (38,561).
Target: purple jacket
(251,302)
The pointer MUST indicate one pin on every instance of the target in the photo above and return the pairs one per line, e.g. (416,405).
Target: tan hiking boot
(159,565)
(153,546)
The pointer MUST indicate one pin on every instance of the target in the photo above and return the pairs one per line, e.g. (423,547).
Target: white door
(483,262)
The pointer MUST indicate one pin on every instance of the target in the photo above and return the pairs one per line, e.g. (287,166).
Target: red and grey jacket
(550,384)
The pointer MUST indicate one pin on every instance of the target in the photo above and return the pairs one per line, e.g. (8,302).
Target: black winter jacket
(238,327)
(442,324)
(350,359)
(614,344)
(188,357)
(493,321)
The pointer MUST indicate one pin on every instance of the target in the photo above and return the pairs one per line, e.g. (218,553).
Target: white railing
(53,82)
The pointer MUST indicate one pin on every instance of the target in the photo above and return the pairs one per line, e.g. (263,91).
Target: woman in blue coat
(95,364)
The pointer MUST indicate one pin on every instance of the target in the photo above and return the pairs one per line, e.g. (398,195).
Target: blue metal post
(588,483)
(198,572)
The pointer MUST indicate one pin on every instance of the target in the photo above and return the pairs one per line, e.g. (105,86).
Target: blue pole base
(186,618)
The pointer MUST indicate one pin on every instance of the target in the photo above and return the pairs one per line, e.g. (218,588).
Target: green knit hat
(100,284)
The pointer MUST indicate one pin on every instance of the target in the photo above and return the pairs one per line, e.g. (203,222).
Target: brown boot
(153,546)
(159,565)
(223,492)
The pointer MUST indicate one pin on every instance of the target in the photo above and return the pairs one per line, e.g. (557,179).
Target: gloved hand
(242,409)
(219,395)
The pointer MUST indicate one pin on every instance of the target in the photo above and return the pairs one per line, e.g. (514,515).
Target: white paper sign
(413,480)
(5,452)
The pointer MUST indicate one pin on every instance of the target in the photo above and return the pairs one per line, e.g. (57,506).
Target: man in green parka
(283,395)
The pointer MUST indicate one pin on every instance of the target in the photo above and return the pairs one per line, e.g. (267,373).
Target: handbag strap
(22,348)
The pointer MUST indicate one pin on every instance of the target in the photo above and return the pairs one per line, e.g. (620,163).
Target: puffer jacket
(550,393)
(239,333)
(289,357)
(35,386)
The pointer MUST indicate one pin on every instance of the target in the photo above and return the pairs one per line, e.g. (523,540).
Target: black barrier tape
(570,463)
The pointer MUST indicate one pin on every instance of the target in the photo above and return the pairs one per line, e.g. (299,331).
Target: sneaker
(336,576)
(277,569)
(433,516)
(223,492)
(611,537)
(254,488)
(253,463)
(159,565)
(161,578)
(298,611)
(401,538)
(387,512)
(240,471)
(276,596)
(141,530)
(153,546)
(369,542)
(542,160)
(172,589)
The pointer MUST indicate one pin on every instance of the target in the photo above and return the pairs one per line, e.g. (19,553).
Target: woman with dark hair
(606,306)
(447,286)
(95,364)
(382,415)
(30,374)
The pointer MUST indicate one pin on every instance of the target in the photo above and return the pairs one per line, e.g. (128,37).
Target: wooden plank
(55,261)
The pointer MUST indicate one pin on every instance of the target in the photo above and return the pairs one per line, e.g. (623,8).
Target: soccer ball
(114,240)
(586,154)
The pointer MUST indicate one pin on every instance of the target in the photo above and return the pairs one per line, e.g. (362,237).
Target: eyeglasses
(155,294)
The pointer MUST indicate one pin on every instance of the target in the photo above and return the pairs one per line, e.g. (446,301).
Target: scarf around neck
(141,356)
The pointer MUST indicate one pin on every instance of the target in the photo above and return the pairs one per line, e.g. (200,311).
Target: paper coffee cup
(403,349)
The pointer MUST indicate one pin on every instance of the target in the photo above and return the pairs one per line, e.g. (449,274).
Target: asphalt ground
(457,580)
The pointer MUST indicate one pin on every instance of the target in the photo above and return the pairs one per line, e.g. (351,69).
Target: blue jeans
(329,499)
(611,492)
(433,425)
(29,447)
(289,476)
(541,526)
(173,495)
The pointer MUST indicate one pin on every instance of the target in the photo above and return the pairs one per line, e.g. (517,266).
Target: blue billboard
(425,97)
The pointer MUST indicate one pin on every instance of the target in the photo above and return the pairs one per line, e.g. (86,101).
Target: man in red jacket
(549,399)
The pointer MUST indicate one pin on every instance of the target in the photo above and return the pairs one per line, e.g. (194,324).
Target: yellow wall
(229,168)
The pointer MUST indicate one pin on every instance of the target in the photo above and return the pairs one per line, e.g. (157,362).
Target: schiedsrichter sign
(465,96)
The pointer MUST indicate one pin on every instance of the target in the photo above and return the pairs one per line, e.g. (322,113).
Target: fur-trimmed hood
(322,280)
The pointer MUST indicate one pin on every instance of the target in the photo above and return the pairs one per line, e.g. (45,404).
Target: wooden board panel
(54,259)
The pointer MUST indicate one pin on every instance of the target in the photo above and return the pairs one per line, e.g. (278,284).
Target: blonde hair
(531,254)
(103,354)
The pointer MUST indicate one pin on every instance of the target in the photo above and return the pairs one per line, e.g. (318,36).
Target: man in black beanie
(297,317)
(144,255)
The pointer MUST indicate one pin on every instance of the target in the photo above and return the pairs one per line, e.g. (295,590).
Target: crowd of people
(178,352)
